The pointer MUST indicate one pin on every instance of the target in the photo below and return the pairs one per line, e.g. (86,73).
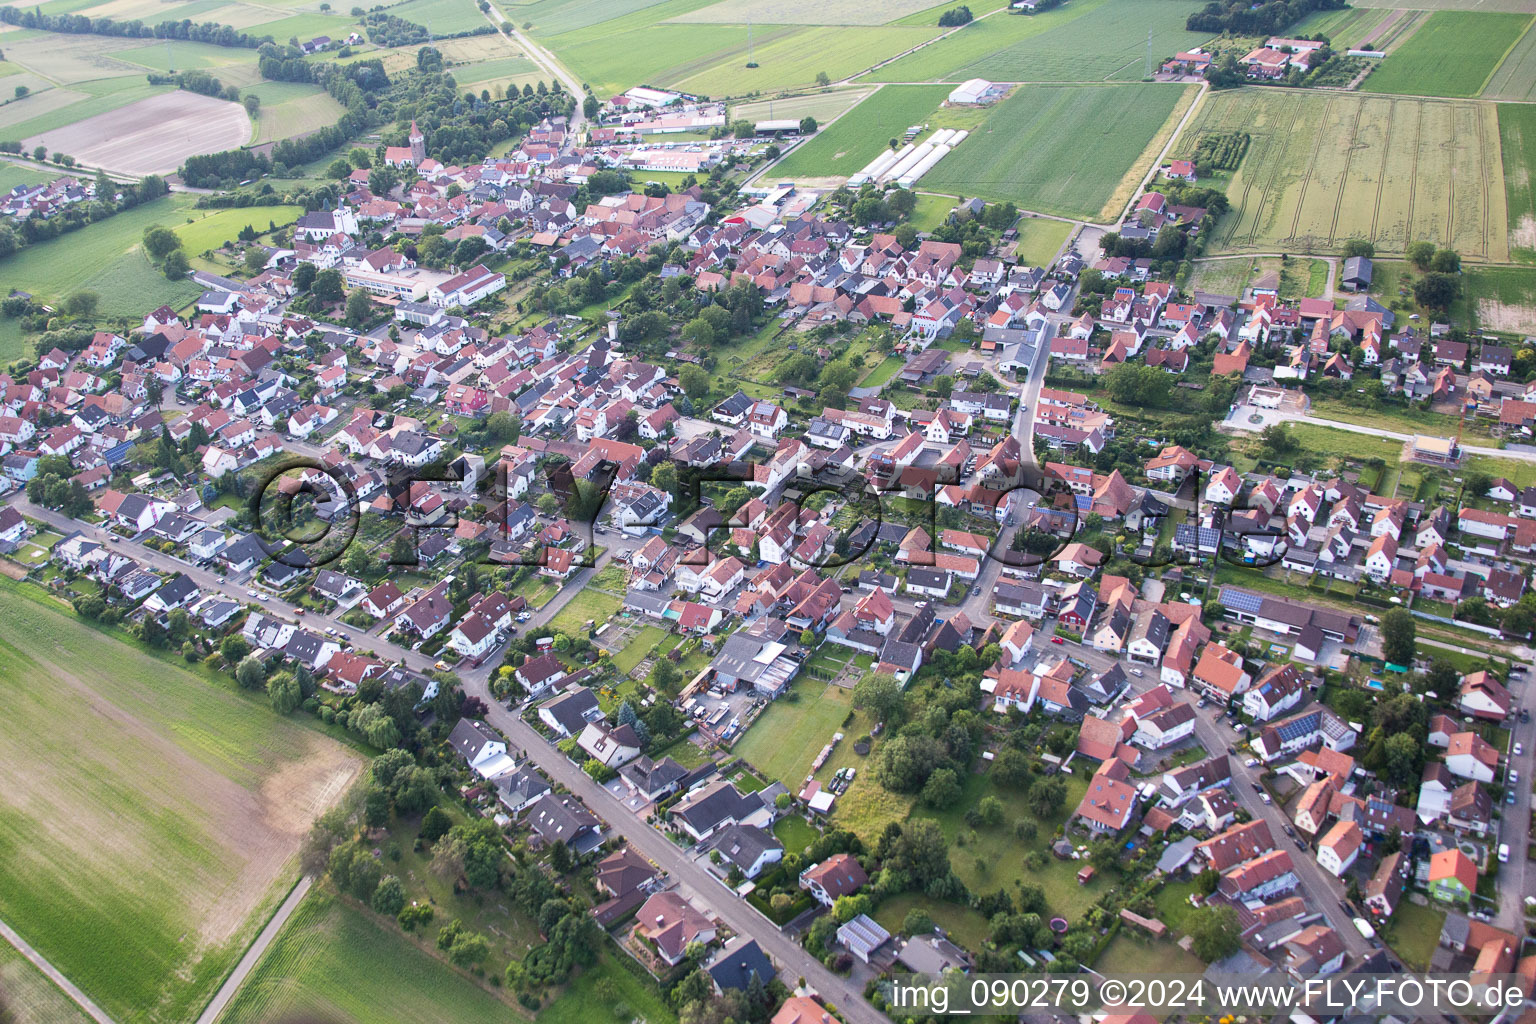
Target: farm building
(977,91)
(1357,274)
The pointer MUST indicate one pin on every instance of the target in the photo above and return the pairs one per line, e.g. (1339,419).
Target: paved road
(547,63)
(248,961)
(54,975)
(1322,889)
(1514,824)
(1239,421)
(793,960)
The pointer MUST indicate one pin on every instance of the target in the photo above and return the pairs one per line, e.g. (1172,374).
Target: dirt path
(247,962)
(54,975)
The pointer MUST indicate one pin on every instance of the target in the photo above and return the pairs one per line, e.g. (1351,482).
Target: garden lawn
(1413,933)
(105,258)
(794,832)
(1068,150)
(987,858)
(866,131)
(585,1002)
(336,962)
(1132,953)
(594,605)
(1040,239)
(1452,54)
(788,735)
(877,377)
(638,647)
(931,211)
(964,925)
(146,857)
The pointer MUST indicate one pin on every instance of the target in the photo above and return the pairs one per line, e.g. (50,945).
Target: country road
(54,975)
(247,962)
(1236,422)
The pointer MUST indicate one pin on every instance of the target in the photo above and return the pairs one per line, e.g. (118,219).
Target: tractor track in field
(1413,172)
(1306,179)
(1482,160)
(1381,173)
(1349,159)
(1276,138)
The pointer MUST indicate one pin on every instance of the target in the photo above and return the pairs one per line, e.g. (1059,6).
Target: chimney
(660,920)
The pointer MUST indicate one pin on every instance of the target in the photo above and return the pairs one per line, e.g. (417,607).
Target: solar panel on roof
(1241,600)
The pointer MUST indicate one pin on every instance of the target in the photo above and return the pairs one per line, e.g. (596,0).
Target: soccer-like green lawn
(863,133)
(1452,54)
(1057,149)
(151,814)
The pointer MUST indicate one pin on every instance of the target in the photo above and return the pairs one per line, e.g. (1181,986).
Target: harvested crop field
(152,136)
(1451,54)
(1077,151)
(1322,169)
(142,862)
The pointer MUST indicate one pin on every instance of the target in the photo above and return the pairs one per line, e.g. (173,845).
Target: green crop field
(1501,298)
(309,109)
(823,106)
(28,997)
(104,258)
(1322,169)
(795,60)
(1069,150)
(1084,41)
(1517,144)
(1344,28)
(551,17)
(806,12)
(1452,54)
(1109,43)
(859,137)
(442,17)
(335,962)
(1515,77)
(143,860)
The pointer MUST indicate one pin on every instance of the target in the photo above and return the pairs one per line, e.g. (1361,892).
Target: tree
(699,333)
(255,259)
(1403,758)
(943,386)
(328,287)
(823,79)
(907,761)
(435,825)
(1010,769)
(1359,247)
(251,673)
(1420,253)
(359,309)
(176,265)
(1398,633)
(283,691)
(990,811)
(590,107)
(304,276)
(1445,261)
(881,695)
(233,648)
(942,788)
(160,241)
(1046,797)
(1436,291)
(807,125)
(917,922)
(389,897)
(81,304)
(22,91)
(1214,931)
(695,381)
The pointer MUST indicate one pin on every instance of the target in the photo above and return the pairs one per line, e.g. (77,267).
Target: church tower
(418,145)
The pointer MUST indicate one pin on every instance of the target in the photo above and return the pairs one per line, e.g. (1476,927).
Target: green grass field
(105,258)
(224,225)
(966,926)
(293,108)
(637,649)
(978,41)
(1067,150)
(12,175)
(550,17)
(823,106)
(1040,239)
(588,604)
(1517,146)
(335,962)
(858,138)
(794,60)
(931,211)
(1133,953)
(1452,54)
(145,858)
(28,997)
(786,738)
(1324,168)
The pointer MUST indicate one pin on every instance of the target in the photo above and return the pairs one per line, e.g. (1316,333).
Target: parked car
(1252,762)
(1503,853)
(1265,798)
(1509,797)
(1057,640)
(1519,750)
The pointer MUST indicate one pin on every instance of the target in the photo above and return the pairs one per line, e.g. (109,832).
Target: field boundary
(54,975)
(253,954)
